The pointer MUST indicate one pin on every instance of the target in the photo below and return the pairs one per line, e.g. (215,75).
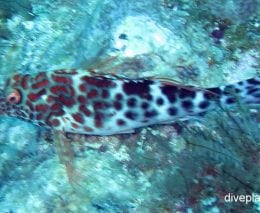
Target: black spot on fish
(150,113)
(121,122)
(230,100)
(257,95)
(187,104)
(253,81)
(210,96)
(131,115)
(117,105)
(172,111)
(145,105)
(215,90)
(119,96)
(131,102)
(203,104)
(105,93)
(140,88)
(251,91)
(237,90)
(183,93)
(159,101)
(169,92)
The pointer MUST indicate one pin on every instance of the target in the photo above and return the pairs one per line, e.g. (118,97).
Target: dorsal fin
(171,82)
(66,71)
(165,80)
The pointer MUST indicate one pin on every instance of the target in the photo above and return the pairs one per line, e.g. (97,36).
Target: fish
(73,101)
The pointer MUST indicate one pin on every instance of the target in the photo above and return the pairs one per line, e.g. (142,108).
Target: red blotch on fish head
(50,99)
(98,81)
(83,88)
(85,110)
(17,77)
(40,84)
(74,125)
(56,107)
(25,81)
(78,117)
(67,101)
(82,99)
(105,93)
(99,119)
(93,93)
(41,107)
(39,116)
(55,122)
(40,76)
(30,105)
(35,96)
(61,79)
(88,129)
(59,89)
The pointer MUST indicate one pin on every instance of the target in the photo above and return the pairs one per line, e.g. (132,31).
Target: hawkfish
(73,101)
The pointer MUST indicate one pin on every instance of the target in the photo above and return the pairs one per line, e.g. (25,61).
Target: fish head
(35,98)
(13,98)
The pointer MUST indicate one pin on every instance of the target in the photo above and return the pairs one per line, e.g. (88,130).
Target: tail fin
(247,92)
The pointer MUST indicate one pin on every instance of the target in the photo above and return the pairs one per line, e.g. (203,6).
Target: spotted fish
(76,102)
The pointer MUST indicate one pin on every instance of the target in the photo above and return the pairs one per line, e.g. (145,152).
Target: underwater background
(187,166)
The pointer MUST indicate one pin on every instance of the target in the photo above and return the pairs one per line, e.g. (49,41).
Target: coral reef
(188,166)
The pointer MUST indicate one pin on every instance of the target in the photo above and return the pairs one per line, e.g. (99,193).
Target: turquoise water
(196,165)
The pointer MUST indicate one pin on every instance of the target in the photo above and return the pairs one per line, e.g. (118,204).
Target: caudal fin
(247,92)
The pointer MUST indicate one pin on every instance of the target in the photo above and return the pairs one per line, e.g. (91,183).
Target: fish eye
(14,97)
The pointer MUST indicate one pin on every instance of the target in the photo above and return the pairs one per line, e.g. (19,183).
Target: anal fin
(65,153)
